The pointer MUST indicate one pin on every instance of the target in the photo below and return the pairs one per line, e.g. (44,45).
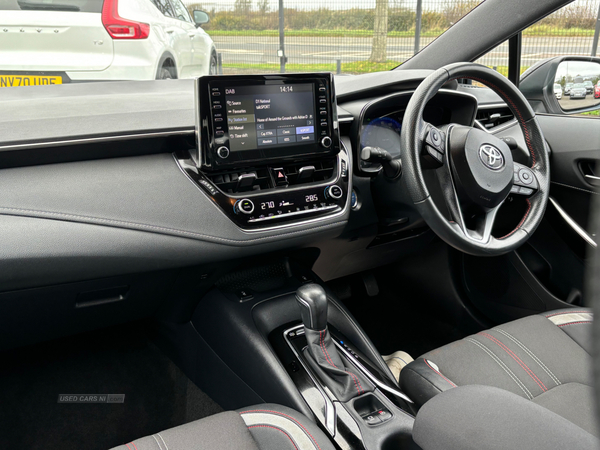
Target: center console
(272,332)
(268,149)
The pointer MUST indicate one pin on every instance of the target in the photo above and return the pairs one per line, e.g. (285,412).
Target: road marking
(239,51)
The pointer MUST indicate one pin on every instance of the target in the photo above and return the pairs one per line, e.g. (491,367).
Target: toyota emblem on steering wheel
(491,157)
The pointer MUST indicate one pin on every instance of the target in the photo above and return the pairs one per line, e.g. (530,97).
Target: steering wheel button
(525,176)
(515,189)
(516,178)
(434,153)
(525,191)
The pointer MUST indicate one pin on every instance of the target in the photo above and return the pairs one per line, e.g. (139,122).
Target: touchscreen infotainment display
(261,116)
(248,119)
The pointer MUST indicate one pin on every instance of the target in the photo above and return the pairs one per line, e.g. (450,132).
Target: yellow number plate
(28,80)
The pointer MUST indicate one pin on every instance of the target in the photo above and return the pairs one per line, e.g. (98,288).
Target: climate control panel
(295,204)
(282,203)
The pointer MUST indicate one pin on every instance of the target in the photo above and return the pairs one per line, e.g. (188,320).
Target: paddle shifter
(321,354)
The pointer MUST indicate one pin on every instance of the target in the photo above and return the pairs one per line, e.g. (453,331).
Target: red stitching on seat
(568,312)
(132,443)
(574,323)
(517,359)
(439,373)
(278,429)
(285,415)
(127,445)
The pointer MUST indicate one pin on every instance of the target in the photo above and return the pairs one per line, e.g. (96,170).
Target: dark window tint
(89,6)
(164,7)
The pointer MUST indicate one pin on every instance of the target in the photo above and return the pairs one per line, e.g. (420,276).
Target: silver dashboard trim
(492,105)
(294,213)
(370,376)
(98,139)
(574,225)
(330,416)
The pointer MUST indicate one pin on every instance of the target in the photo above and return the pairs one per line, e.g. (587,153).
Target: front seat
(263,427)
(543,358)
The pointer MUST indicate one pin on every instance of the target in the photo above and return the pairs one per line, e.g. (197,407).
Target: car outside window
(86,6)
(243,37)
(164,6)
(181,12)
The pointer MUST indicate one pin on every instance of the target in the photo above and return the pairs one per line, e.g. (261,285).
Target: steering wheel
(475,168)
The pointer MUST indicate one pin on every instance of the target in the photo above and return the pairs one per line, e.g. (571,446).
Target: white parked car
(558,91)
(58,41)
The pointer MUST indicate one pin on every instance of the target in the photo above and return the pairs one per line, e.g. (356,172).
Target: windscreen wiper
(33,6)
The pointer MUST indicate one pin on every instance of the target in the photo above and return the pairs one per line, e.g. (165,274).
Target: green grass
(591,113)
(350,67)
(538,30)
(549,31)
(355,67)
(318,33)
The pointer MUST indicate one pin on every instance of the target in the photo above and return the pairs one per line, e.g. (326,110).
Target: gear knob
(312,301)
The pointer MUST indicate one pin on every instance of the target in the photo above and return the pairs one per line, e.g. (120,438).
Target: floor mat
(395,321)
(397,361)
(119,360)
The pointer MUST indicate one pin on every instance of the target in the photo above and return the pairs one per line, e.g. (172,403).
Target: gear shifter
(312,300)
(334,370)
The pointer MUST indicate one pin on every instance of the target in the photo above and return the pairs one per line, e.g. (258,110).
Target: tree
(263,6)
(380,29)
(242,6)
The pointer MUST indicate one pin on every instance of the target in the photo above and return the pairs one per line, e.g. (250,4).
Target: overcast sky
(574,68)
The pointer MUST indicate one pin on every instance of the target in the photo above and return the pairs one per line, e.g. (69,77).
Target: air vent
(493,117)
(309,172)
(232,182)
(242,181)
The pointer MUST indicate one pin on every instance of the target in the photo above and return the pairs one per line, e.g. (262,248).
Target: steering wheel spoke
(483,223)
(478,225)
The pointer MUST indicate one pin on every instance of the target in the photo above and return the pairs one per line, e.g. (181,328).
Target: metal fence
(355,36)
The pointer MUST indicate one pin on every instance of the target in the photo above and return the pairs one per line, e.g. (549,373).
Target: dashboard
(117,169)
(118,184)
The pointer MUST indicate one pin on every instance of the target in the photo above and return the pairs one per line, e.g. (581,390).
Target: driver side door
(548,271)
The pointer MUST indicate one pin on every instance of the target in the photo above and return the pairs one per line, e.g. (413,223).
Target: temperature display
(300,203)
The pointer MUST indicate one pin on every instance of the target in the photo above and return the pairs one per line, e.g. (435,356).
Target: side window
(181,11)
(567,31)
(164,6)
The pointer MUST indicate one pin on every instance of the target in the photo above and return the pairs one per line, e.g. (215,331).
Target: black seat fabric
(263,427)
(543,358)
